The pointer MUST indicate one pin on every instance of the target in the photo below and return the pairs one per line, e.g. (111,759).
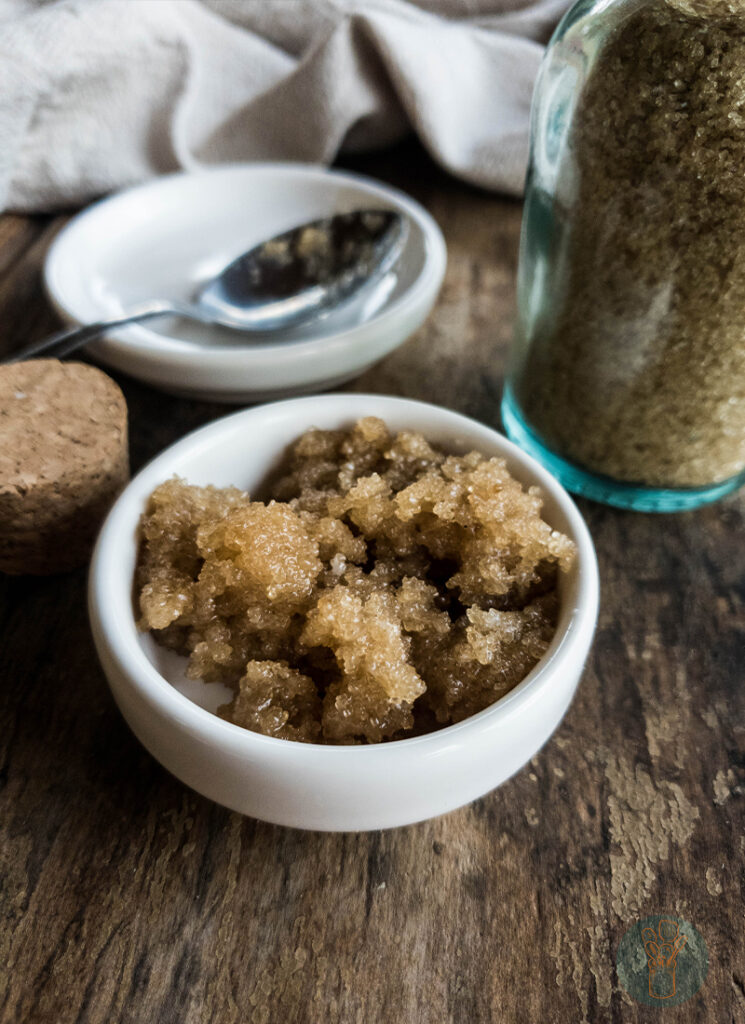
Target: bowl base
(603,488)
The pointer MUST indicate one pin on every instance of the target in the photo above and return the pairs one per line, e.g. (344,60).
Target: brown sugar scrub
(639,370)
(63,459)
(383,589)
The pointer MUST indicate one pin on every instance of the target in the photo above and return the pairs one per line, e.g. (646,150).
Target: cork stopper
(63,459)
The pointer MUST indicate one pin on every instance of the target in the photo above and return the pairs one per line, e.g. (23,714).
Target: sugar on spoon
(290,279)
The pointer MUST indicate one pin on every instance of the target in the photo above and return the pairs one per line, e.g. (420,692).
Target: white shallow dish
(162,239)
(308,785)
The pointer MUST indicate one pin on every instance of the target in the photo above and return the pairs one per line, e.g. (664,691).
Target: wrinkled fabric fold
(99,94)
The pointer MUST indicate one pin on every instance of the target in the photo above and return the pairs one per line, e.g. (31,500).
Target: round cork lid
(63,458)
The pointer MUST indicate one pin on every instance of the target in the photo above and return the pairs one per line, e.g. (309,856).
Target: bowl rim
(137,340)
(572,638)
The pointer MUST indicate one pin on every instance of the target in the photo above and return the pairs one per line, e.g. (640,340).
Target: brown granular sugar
(383,590)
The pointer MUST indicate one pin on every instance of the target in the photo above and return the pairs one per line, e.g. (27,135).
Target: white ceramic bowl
(160,240)
(307,785)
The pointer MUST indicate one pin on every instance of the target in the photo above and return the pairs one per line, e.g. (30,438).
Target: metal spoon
(295,277)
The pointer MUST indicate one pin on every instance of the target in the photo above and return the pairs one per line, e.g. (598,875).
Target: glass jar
(628,369)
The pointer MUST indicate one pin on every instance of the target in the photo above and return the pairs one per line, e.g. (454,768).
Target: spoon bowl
(305,272)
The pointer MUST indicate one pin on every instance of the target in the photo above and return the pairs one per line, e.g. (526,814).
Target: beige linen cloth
(99,94)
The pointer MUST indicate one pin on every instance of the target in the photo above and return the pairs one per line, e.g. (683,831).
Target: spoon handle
(65,342)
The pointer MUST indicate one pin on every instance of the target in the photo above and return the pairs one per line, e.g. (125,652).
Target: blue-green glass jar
(627,377)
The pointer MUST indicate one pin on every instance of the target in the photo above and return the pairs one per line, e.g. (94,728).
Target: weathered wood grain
(125,897)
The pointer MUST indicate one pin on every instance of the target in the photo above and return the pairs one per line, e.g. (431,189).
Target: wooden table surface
(126,897)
